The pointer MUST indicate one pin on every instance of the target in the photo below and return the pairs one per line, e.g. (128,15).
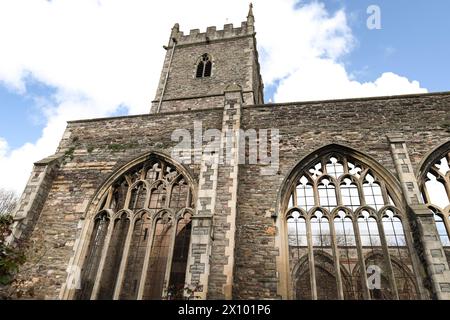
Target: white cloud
(3,147)
(103,54)
(300,35)
(319,79)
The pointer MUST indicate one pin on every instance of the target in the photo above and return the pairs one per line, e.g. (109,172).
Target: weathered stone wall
(361,124)
(92,151)
(197,103)
(234,58)
(231,61)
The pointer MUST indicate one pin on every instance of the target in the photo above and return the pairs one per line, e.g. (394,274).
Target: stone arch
(325,276)
(430,158)
(333,162)
(408,290)
(434,184)
(204,66)
(428,166)
(295,172)
(301,279)
(407,286)
(160,228)
(376,293)
(95,201)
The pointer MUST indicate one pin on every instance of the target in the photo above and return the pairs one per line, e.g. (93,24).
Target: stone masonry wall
(197,103)
(361,124)
(93,150)
(233,62)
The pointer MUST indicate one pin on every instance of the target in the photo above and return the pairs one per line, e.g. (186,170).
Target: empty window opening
(204,67)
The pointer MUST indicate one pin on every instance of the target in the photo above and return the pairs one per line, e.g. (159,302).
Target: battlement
(211,34)
(247,28)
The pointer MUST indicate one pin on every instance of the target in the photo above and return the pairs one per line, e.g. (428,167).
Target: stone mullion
(312,270)
(170,258)
(295,198)
(316,192)
(125,256)
(345,165)
(361,261)
(337,263)
(109,197)
(129,180)
(148,193)
(387,258)
(144,172)
(188,201)
(162,171)
(169,190)
(384,192)
(323,163)
(101,265)
(338,193)
(128,197)
(146,259)
(362,198)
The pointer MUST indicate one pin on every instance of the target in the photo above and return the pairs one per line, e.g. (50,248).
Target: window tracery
(353,224)
(436,193)
(143,254)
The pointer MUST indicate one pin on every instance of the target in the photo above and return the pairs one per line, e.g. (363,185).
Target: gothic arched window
(204,66)
(342,223)
(139,241)
(435,185)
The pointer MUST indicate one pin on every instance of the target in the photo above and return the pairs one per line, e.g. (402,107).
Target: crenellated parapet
(247,28)
(211,34)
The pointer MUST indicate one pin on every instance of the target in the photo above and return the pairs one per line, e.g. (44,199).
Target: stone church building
(342,199)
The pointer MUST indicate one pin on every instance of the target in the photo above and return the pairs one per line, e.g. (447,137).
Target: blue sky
(21,119)
(412,41)
(64,60)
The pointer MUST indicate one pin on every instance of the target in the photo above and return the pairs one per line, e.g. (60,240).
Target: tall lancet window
(435,185)
(343,225)
(204,66)
(139,240)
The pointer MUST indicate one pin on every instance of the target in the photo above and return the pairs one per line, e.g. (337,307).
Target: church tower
(199,66)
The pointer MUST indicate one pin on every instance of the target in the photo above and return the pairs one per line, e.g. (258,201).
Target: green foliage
(69,153)
(11,257)
(116,147)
